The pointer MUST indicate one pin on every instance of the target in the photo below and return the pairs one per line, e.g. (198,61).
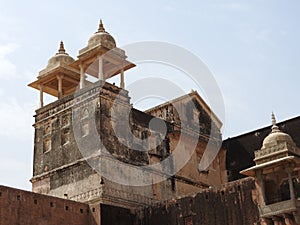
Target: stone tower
(277,176)
(92,146)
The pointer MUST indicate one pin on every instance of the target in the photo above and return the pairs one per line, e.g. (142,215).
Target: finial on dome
(274,126)
(273,119)
(61,49)
(101,27)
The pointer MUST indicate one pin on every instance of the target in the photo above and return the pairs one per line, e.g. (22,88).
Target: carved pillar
(59,80)
(41,95)
(296,217)
(288,219)
(100,72)
(122,83)
(291,186)
(277,220)
(260,178)
(82,77)
(266,221)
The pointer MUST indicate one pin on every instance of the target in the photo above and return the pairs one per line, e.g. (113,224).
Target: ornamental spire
(273,119)
(101,27)
(274,126)
(61,49)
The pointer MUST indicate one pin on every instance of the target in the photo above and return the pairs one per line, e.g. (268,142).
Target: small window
(188,220)
(18,197)
(65,121)
(65,136)
(81,210)
(85,113)
(67,208)
(51,204)
(47,145)
(35,201)
(47,129)
(84,128)
(173,183)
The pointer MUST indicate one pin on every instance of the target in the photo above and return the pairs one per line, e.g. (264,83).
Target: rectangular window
(47,130)
(188,220)
(65,136)
(65,121)
(84,128)
(47,144)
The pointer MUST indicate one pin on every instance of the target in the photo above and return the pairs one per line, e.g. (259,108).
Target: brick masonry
(230,204)
(18,207)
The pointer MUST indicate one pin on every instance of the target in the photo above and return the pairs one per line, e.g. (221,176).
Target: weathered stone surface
(22,207)
(230,204)
(102,111)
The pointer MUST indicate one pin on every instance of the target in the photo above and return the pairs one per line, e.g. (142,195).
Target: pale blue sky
(252,47)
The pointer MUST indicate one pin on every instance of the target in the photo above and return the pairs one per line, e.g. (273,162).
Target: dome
(61,57)
(101,37)
(276,136)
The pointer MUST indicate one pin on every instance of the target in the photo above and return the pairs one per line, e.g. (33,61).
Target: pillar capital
(41,95)
(289,168)
(82,75)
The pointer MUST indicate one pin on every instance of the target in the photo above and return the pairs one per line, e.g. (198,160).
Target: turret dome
(276,136)
(61,58)
(102,37)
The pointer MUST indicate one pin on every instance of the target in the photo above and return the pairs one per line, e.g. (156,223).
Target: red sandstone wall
(19,207)
(231,204)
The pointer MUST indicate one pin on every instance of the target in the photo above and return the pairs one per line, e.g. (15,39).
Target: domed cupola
(58,78)
(276,145)
(101,37)
(276,136)
(61,58)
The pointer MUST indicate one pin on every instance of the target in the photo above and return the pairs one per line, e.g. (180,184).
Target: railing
(278,197)
(112,193)
(86,196)
(279,208)
(278,148)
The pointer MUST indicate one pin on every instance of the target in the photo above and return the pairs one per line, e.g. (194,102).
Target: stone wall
(23,207)
(112,215)
(100,121)
(231,204)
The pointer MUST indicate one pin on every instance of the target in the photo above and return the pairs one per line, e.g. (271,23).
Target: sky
(251,47)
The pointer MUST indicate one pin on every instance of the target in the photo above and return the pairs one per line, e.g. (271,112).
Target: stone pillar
(82,77)
(266,221)
(260,178)
(122,83)
(277,220)
(288,219)
(59,80)
(291,186)
(296,217)
(100,72)
(41,96)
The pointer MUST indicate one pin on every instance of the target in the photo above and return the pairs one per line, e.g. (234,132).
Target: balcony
(280,208)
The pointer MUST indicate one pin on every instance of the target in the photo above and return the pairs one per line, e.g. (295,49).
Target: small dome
(60,58)
(276,136)
(101,37)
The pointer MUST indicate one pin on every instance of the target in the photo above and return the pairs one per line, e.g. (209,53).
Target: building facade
(92,128)
(98,160)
